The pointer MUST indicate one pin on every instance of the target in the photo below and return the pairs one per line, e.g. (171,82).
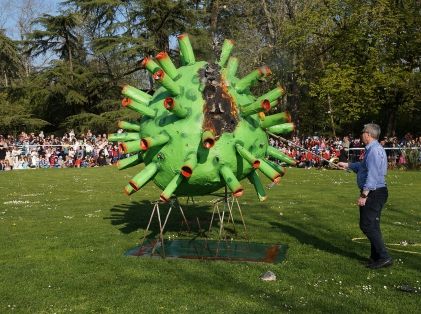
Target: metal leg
(156,210)
(221,222)
(242,218)
(161,234)
(149,223)
(166,219)
(192,200)
(182,213)
(213,214)
(229,205)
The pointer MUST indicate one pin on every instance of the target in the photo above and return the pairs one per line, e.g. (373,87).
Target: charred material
(220,111)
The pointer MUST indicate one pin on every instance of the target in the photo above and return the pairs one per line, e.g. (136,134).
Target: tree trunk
(162,41)
(69,51)
(290,9)
(6,81)
(332,121)
(293,97)
(214,10)
(294,91)
(70,62)
(392,116)
(391,123)
(269,22)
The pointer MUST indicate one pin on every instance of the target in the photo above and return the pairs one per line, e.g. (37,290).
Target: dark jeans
(370,222)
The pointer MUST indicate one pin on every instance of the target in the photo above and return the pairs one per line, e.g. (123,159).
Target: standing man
(371,172)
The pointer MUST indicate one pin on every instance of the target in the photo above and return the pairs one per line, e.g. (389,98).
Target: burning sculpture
(202,129)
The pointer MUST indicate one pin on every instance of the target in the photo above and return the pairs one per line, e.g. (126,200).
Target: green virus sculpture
(202,129)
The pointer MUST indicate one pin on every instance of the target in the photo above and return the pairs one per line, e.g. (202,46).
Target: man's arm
(354,166)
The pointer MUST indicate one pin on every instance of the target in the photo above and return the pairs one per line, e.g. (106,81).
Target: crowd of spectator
(27,151)
(319,151)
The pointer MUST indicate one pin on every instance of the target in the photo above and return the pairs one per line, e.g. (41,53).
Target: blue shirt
(372,170)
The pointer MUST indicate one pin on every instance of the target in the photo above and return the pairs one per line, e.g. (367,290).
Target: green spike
(186,50)
(275,153)
(152,141)
(136,95)
(273,95)
(175,107)
(167,65)
(249,157)
(232,182)
(258,186)
(144,176)
(282,128)
(150,65)
(257,106)
(246,82)
(164,79)
(226,51)
(189,165)
(171,187)
(274,119)
(129,190)
(138,107)
(123,137)
(208,139)
(131,147)
(268,171)
(128,126)
(281,170)
(232,67)
(129,161)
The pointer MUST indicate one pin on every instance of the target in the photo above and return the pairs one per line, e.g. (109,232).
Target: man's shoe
(386,262)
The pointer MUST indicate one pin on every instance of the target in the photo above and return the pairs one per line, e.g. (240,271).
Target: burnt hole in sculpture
(220,112)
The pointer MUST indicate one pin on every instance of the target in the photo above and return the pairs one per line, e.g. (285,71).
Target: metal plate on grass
(212,250)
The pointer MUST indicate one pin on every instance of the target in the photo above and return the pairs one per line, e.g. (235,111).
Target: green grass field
(63,235)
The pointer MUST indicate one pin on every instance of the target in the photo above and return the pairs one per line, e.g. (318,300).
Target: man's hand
(361,201)
(343,165)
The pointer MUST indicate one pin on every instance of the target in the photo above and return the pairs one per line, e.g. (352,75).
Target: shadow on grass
(316,241)
(135,216)
(345,248)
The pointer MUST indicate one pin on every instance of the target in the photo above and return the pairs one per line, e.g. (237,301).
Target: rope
(390,244)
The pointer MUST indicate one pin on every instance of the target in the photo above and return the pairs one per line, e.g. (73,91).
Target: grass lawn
(64,232)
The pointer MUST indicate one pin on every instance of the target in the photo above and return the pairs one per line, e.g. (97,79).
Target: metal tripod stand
(229,203)
(156,211)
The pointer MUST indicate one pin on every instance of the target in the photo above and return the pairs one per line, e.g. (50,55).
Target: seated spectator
(42,162)
(34,161)
(7,166)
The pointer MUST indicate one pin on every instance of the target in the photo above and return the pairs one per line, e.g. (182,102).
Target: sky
(10,10)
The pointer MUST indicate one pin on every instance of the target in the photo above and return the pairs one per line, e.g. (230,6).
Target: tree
(58,35)
(343,62)
(354,61)
(10,59)
(396,33)
(27,11)
(15,117)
